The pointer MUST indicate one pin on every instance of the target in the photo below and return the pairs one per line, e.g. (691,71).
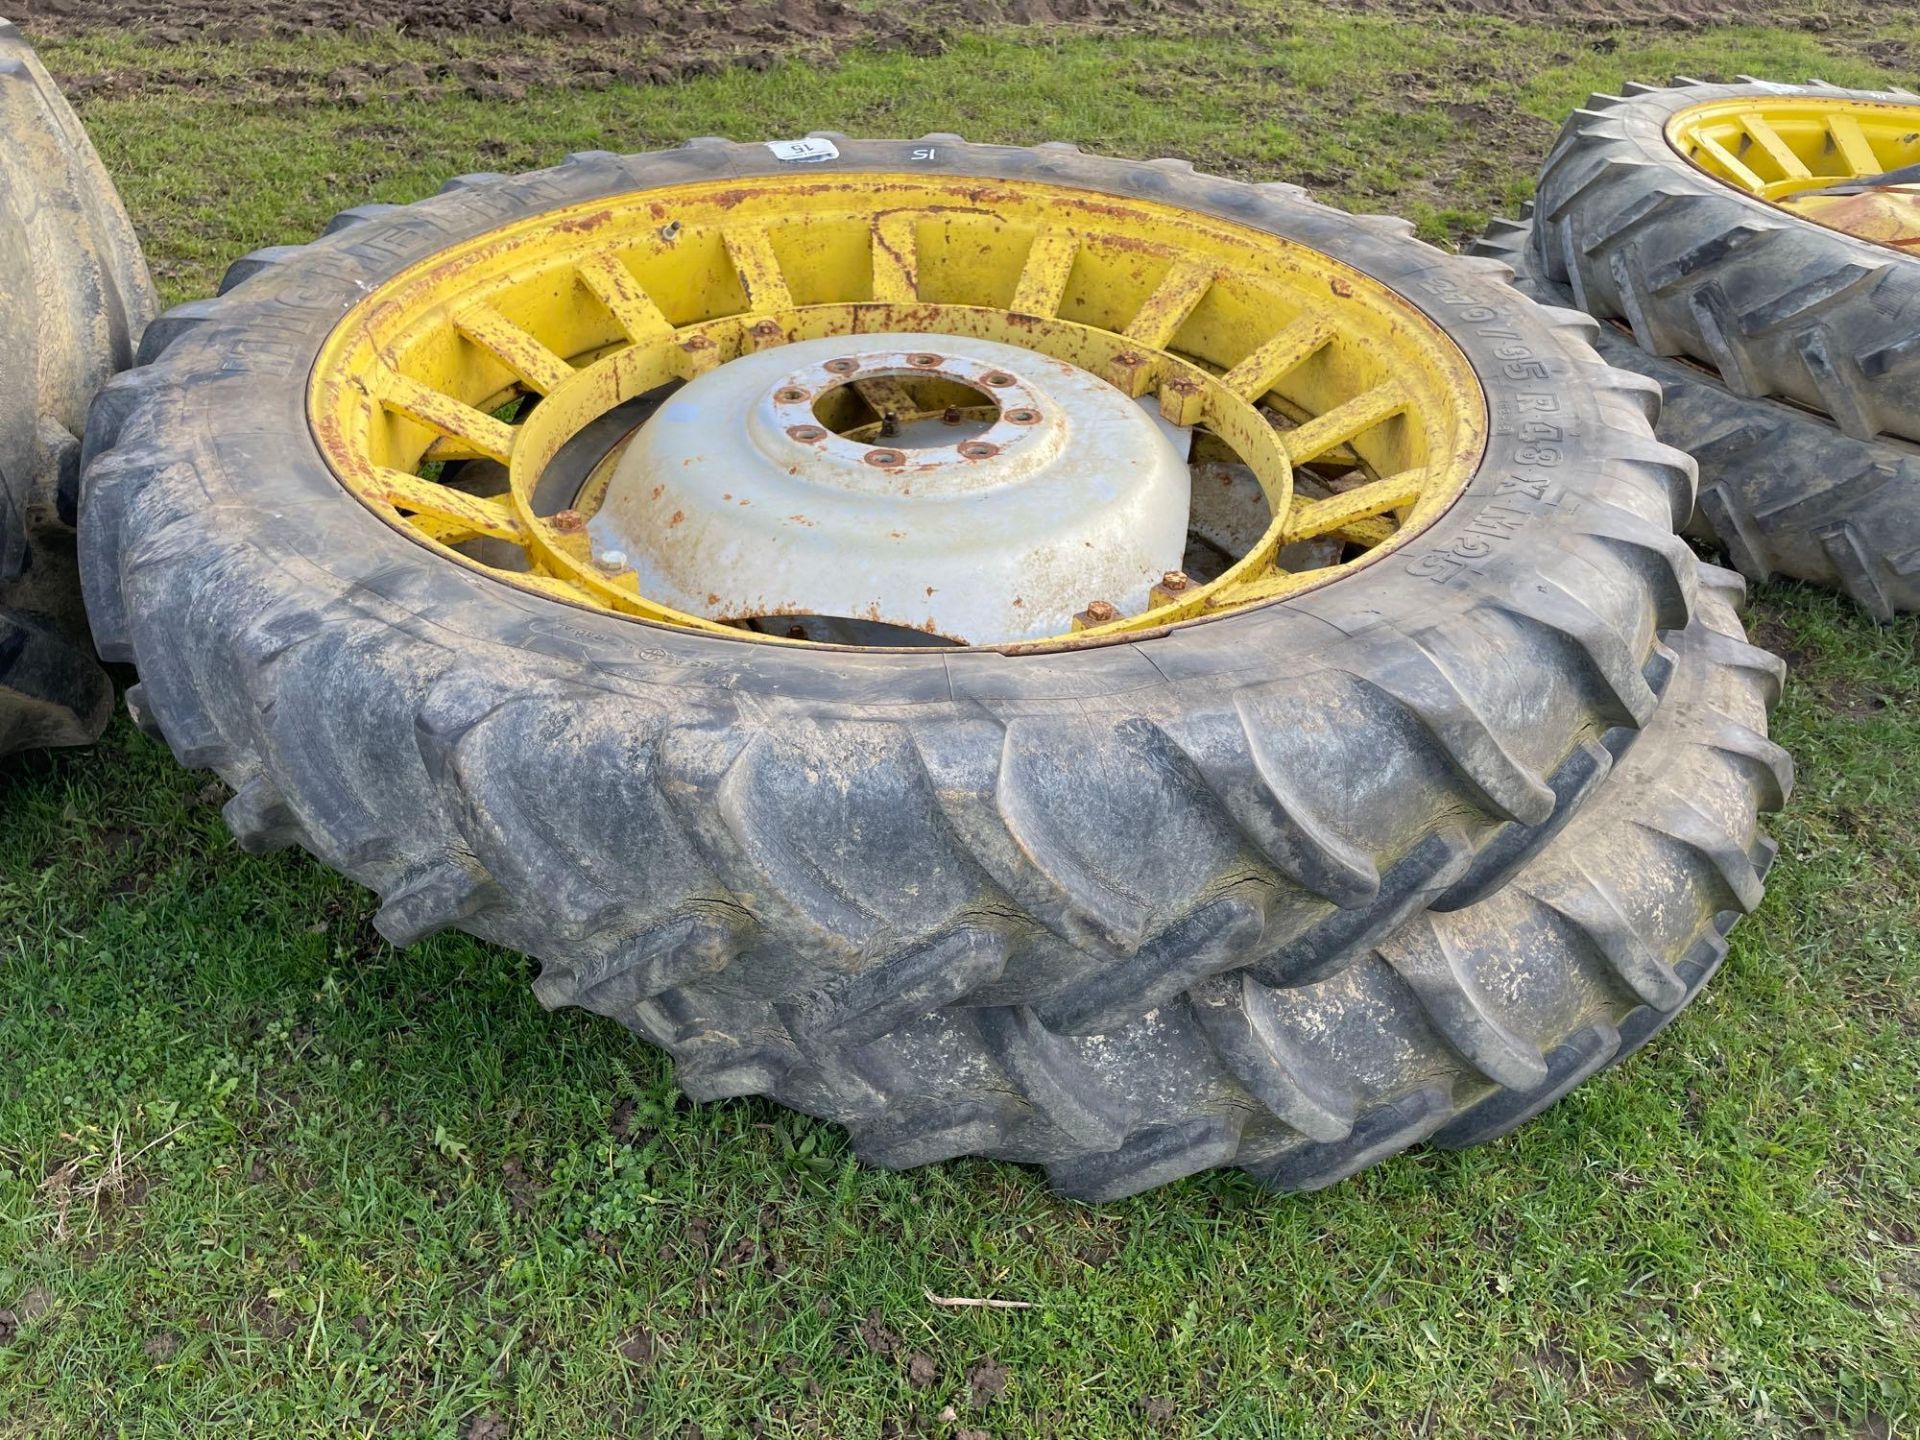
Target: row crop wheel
(77,298)
(1782,490)
(1770,231)
(800,590)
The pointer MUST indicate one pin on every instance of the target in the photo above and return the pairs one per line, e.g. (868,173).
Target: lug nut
(923,361)
(1172,586)
(950,415)
(996,378)
(612,562)
(1101,611)
(889,425)
(842,367)
(886,459)
(791,395)
(569,522)
(806,434)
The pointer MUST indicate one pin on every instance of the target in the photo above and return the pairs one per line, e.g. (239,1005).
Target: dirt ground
(704,30)
(638,42)
(676,27)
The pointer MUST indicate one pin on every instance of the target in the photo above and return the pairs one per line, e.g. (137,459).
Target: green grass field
(262,1175)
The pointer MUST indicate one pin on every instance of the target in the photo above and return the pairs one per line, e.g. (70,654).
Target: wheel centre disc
(968,489)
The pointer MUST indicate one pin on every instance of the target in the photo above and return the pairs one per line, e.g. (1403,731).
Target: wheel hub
(1352,418)
(956,486)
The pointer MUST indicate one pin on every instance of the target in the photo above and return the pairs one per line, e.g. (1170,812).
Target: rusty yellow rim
(1276,352)
(1781,148)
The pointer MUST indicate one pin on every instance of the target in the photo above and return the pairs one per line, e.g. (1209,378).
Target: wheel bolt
(612,562)
(886,459)
(1100,612)
(569,522)
(1175,580)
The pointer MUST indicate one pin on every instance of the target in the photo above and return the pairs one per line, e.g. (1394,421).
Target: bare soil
(582,44)
(703,28)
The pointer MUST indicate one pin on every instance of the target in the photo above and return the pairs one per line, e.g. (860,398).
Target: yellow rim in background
(1778,146)
(1272,350)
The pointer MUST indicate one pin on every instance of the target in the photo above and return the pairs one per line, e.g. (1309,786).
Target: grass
(262,1175)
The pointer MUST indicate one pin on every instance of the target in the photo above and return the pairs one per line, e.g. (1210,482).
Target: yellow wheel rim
(1781,148)
(1282,355)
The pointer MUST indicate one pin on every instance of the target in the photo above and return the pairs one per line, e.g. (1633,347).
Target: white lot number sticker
(804,150)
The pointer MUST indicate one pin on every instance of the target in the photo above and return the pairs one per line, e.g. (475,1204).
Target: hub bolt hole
(806,434)
(792,395)
(842,367)
(1020,415)
(996,378)
(886,459)
(979,450)
(923,361)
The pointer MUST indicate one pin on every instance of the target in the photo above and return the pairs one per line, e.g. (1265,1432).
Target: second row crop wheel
(794,588)
(1770,231)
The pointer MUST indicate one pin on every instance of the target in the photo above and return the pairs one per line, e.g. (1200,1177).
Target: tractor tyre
(1723,272)
(1453,1030)
(766,854)
(1782,490)
(77,299)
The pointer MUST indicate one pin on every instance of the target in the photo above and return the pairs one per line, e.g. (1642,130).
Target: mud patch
(707,29)
(987,1381)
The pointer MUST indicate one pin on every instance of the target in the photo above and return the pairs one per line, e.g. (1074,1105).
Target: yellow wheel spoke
(896,262)
(513,347)
(1167,309)
(1792,167)
(1343,423)
(1043,278)
(471,513)
(765,285)
(1260,371)
(1367,532)
(445,447)
(1734,167)
(1310,518)
(1851,141)
(1777,147)
(886,396)
(625,298)
(406,396)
